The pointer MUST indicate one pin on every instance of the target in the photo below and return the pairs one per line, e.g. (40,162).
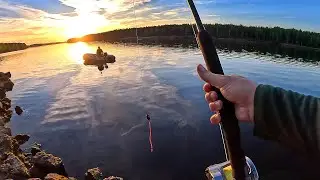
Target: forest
(7,47)
(251,33)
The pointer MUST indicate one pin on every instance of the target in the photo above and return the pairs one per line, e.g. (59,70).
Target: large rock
(6,103)
(48,163)
(7,116)
(4,130)
(6,84)
(2,93)
(6,144)
(93,174)
(53,176)
(18,110)
(35,150)
(36,172)
(22,138)
(13,167)
(6,75)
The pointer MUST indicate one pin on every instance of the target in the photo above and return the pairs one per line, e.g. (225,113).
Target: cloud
(109,6)
(29,24)
(25,23)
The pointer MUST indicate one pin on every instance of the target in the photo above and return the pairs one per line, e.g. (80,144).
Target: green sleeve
(288,117)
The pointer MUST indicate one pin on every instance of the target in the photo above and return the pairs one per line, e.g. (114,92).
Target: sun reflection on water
(77,50)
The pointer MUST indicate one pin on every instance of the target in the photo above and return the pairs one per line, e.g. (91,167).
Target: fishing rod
(229,122)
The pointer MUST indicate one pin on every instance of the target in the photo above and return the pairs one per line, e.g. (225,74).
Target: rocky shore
(34,163)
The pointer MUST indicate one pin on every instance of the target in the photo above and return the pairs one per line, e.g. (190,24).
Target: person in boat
(287,117)
(99,52)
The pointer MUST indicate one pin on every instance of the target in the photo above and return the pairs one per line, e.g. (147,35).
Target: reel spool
(223,171)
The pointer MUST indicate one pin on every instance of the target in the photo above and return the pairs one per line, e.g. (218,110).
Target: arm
(288,117)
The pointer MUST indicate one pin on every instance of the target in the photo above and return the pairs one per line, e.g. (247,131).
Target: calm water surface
(95,119)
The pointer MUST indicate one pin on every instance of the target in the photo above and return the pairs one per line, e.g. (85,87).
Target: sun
(84,24)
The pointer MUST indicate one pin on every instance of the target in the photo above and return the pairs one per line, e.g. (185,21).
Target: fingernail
(201,68)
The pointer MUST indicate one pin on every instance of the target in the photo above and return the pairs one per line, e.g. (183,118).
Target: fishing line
(150,133)
(137,42)
(220,125)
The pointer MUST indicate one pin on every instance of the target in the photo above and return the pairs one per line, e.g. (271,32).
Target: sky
(41,21)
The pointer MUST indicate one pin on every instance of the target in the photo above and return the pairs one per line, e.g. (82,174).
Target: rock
(4,130)
(7,100)
(53,176)
(6,84)
(93,174)
(2,93)
(22,138)
(7,116)
(72,178)
(37,145)
(36,172)
(113,178)
(6,103)
(34,179)
(7,74)
(6,144)
(35,150)
(18,110)
(49,163)
(14,168)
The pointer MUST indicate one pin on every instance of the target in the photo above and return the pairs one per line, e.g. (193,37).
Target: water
(95,119)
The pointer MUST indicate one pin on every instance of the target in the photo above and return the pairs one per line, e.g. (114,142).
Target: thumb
(215,80)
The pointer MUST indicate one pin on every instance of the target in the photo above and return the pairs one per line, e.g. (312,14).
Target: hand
(236,89)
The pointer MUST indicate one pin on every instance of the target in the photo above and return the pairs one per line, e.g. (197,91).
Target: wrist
(251,102)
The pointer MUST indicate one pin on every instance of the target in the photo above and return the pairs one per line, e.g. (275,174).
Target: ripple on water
(99,119)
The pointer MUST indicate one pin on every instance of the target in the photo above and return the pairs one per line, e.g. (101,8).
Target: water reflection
(77,50)
(92,119)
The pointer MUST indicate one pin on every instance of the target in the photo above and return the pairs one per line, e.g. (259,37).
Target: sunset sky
(39,21)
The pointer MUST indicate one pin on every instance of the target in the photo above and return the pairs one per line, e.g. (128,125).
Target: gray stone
(21,138)
(13,167)
(2,93)
(6,103)
(49,163)
(93,174)
(6,144)
(5,130)
(53,176)
(7,74)
(35,150)
(6,84)
(18,110)
(36,172)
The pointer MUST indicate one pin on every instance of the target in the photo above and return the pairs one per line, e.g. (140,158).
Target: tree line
(253,33)
(8,47)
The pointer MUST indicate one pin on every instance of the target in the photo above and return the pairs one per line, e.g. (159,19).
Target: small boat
(93,59)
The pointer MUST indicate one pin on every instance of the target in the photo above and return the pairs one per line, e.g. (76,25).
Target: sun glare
(77,50)
(84,24)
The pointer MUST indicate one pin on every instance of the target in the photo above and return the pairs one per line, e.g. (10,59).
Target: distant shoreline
(285,42)
(11,47)
(298,52)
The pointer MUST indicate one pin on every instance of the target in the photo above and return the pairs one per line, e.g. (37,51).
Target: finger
(207,87)
(216,80)
(215,106)
(215,119)
(211,96)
